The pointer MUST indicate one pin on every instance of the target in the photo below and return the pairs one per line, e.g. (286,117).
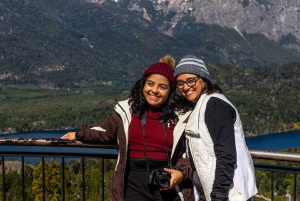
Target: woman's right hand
(69,136)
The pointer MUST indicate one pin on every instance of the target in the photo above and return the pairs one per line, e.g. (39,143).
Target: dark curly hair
(211,88)
(174,102)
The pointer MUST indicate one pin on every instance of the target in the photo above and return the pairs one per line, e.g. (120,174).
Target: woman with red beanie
(148,129)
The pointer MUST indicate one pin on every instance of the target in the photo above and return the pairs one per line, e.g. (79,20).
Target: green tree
(52,181)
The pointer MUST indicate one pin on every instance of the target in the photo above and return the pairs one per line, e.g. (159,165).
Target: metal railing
(77,150)
(279,157)
(106,152)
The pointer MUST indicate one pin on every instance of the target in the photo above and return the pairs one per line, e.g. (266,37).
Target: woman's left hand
(69,136)
(176,178)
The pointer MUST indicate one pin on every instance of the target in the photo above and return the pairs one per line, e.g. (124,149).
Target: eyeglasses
(190,82)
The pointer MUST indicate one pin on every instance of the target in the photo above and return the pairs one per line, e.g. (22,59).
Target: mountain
(65,43)
(272,18)
(242,32)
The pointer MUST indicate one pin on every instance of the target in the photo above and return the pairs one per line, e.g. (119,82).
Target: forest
(267,100)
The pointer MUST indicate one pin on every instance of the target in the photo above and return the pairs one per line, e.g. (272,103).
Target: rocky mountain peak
(272,18)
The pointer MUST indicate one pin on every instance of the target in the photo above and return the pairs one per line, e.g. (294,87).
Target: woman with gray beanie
(222,165)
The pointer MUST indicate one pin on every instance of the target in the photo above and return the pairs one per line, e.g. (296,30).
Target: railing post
(23,179)
(295,187)
(43,177)
(63,178)
(102,179)
(83,184)
(3,178)
(272,185)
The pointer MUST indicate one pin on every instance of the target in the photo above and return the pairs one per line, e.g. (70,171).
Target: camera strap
(165,124)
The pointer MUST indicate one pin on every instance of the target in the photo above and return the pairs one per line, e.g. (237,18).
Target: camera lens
(164,182)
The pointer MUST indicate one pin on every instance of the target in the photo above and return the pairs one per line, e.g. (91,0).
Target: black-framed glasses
(190,82)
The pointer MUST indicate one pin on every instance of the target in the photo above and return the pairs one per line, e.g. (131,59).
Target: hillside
(14,167)
(64,43)
(267,99)
(65,63)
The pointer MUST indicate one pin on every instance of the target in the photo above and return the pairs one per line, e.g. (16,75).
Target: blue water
(275,141)
(271,142)
(47,135)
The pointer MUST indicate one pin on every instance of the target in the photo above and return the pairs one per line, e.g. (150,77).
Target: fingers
(170,170)
(69,136)
(64,137)
(176,178)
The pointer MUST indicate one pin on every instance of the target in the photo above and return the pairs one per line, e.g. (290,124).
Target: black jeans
(136,187)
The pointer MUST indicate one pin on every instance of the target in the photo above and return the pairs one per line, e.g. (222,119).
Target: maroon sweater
(155,137)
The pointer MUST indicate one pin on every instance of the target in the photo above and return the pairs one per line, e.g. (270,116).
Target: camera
(160,178)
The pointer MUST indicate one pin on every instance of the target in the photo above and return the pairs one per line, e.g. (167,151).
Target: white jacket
(202,151)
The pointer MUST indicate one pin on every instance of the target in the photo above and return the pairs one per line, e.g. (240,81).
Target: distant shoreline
(271,142)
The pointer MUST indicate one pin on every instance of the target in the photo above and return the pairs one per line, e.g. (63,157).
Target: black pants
(136,187)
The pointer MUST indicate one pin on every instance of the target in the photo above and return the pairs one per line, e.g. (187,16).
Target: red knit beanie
(161,68)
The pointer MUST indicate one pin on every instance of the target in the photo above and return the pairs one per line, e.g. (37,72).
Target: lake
(50,135)
(271,142)
(274,141)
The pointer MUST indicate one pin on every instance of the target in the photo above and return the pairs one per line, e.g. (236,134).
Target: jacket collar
(179,128)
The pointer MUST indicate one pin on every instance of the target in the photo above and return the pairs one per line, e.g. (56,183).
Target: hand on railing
(69,136)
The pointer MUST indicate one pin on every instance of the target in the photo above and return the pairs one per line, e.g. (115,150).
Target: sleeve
(220,118)
(182,161)
(105,132)
(183,165)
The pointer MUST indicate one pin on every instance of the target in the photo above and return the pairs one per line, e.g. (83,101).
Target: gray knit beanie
(194,65)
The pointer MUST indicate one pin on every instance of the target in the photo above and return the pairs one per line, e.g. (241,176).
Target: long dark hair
(183,105)
(139,104)
(211,88)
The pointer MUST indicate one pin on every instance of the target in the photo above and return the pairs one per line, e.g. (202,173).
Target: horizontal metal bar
(258,154)
(278,156)
(56,154)
(51,142)
(275,168)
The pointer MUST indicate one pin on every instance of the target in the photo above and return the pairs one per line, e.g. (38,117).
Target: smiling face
(190,87)
(156,90)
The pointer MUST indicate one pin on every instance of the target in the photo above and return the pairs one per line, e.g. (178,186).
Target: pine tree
(52,181)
